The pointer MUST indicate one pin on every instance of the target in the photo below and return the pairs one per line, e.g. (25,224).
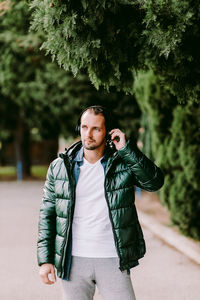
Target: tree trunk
(22,148)
(2,154)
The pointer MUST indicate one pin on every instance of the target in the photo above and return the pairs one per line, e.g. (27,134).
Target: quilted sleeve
(147,175)
(47,221)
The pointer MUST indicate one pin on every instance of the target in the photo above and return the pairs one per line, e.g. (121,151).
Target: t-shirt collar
(79,156)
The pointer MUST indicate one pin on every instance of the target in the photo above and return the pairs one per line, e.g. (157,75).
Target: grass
(7,171)
(10,173)
(39,171)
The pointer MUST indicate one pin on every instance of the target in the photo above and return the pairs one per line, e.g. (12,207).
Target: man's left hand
(118,138)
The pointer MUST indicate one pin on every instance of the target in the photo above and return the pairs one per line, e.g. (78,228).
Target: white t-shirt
(92,234)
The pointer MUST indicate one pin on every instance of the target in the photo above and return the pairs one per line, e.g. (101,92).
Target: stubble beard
(90,147)
(93,147)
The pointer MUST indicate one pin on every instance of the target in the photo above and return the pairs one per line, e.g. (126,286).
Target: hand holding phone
(118,138)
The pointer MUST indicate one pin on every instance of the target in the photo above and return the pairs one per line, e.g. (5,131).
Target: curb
(174,239)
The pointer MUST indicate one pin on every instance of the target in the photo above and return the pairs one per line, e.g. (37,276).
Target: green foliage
(184,153)
(183,158)
(156,103)
(185,205)
(103,37)
(128,114)
(165,191)
(20,65)
(175,137)
(172,34)
(110,39)
(41,93)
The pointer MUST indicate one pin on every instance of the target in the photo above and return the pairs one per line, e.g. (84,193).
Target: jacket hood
(72,150)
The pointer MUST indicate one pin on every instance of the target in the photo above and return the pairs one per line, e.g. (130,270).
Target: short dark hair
(97,109)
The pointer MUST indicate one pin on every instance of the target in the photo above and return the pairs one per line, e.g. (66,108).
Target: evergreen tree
(23,81)
(36,93)
(172,39)
(185,204)
(110,39)
(103,37)
(175,138)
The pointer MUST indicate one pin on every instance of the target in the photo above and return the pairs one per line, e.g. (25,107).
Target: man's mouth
(89,141)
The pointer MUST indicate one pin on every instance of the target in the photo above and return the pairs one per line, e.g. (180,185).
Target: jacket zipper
(67,164)
(111,221)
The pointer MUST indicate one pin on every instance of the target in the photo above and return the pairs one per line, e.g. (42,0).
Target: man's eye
(96,128)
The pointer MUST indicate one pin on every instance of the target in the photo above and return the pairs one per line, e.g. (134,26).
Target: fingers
(47,274)
(53,274)
(118,138)
(115,131)
(45,278)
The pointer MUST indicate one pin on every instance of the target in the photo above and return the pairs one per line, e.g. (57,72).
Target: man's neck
(93,156)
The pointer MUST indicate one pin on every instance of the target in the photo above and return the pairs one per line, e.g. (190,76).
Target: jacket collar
(79,155)
(75,152)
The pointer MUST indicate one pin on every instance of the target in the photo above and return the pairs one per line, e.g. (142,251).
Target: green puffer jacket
(125,169)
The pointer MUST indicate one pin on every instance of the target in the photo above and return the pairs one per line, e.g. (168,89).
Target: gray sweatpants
(104,272)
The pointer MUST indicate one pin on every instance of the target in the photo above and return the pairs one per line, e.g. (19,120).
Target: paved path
(163,273)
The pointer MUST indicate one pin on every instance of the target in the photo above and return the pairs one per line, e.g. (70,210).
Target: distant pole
(19,170)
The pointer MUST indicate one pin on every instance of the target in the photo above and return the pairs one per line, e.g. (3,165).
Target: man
(88,227)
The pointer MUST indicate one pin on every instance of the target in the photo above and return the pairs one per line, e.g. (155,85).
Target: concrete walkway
(164,273)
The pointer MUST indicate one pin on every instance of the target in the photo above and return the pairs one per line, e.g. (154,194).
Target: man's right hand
(45,271)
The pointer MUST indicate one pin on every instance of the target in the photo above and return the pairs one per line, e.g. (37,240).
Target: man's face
(93,130)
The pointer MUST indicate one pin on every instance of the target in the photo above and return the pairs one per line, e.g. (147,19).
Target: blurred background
(139,59)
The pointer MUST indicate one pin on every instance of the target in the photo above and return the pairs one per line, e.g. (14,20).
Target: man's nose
(89,133)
